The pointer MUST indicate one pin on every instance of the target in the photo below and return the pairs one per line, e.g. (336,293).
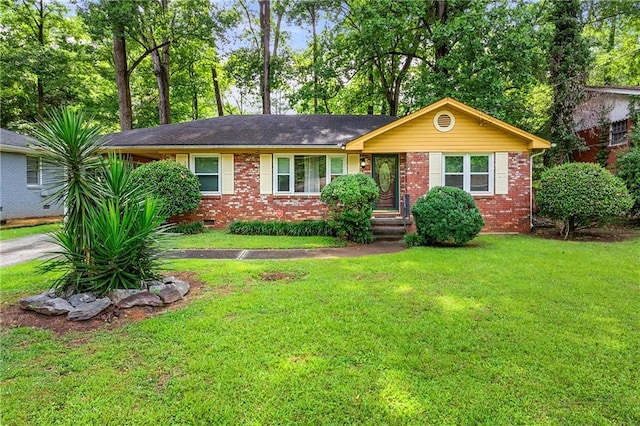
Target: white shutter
(182,159)
(502,173)
(353,164)
(266,174)
(435,169)
(227,174)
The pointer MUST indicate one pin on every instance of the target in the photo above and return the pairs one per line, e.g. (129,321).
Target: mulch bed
(12,316)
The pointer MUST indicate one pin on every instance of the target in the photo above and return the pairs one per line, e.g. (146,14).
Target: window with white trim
(470,172)
(33,171)
(306,174)
(618,134)
(207,170)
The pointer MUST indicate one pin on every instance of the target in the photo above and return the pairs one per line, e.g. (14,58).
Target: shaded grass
(7,234)
(511,330)
(221,239)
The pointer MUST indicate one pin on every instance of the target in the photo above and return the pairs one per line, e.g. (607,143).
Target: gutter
(219,147)
(531,186)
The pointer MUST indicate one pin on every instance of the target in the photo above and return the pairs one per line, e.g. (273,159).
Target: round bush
(628,167)
(447,215)
(581,194)
(350,201)
(177,188)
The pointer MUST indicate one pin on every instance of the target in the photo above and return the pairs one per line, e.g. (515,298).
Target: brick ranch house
(604,122)
(271,167)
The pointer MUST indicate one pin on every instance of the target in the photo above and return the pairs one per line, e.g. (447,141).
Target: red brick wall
(502,213)
(592,139)
(248,204)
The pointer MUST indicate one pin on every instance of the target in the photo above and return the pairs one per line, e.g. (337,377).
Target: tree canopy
(139,63)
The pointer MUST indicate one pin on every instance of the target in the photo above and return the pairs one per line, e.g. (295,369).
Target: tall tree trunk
(122,79)
(441,46)
(39,84)
(265,27)
(160,59)
(312,12)
(194,93)
(216,89)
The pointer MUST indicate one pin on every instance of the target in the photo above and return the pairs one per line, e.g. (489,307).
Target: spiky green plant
(70,150)
(110,236)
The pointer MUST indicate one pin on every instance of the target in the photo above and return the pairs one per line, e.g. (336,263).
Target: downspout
(531,186)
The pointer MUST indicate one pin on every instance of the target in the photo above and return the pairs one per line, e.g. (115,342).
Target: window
(207,169)
(618,133)
(470,172)
(33,171)
(306,173)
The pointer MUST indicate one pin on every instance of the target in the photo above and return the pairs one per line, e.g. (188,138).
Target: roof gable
(472,130)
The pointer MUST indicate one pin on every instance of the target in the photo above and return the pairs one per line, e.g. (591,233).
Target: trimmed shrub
(446,215)
(188,228)
(174,185)
(350,201)
(581,194)
(292,229)
(628,169)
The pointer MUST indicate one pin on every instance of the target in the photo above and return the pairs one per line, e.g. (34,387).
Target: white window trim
(291,158)
(466,174)
(34,185)
(192,166)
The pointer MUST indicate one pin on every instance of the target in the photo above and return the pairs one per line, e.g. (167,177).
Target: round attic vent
(444,121)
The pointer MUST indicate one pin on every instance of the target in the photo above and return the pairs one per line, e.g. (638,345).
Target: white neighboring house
(23,192)
(609,105)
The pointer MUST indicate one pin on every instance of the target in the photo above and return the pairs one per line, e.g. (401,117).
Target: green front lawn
(223,240)
(510,330)
(7,234)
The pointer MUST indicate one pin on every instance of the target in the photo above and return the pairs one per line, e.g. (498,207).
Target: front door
(385,173)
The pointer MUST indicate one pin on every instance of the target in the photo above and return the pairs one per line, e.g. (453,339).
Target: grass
(221,239)
(510,330)
(7,234)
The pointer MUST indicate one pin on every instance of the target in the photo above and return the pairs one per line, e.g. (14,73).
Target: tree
(568,67)
(581,194)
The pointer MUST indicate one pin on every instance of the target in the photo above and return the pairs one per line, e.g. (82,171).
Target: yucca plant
(70,150)
(110,236)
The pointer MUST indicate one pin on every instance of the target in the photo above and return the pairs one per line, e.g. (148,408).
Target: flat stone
(88,310)
(45,304)
(119,294)
(169,294)
(78,299)
(182,286)
(152,283)
(168,280)
(140,298)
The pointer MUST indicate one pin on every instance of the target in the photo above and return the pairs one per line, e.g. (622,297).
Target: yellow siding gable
(473,131)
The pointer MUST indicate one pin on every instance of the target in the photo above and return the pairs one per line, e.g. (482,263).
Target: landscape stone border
(84,306)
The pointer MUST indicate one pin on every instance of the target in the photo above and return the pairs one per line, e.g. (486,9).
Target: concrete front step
(389,228)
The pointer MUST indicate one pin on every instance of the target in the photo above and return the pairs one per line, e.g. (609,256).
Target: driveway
(19,250)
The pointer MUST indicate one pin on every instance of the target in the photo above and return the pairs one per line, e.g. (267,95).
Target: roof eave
(214,147)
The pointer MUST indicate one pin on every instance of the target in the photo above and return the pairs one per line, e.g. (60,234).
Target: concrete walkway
(24,249)
(320,253)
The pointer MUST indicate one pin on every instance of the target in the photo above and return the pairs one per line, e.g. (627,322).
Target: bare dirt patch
(12,316)
(279,276)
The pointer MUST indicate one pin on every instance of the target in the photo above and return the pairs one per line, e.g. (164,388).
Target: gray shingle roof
(254,131)
(9,138)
